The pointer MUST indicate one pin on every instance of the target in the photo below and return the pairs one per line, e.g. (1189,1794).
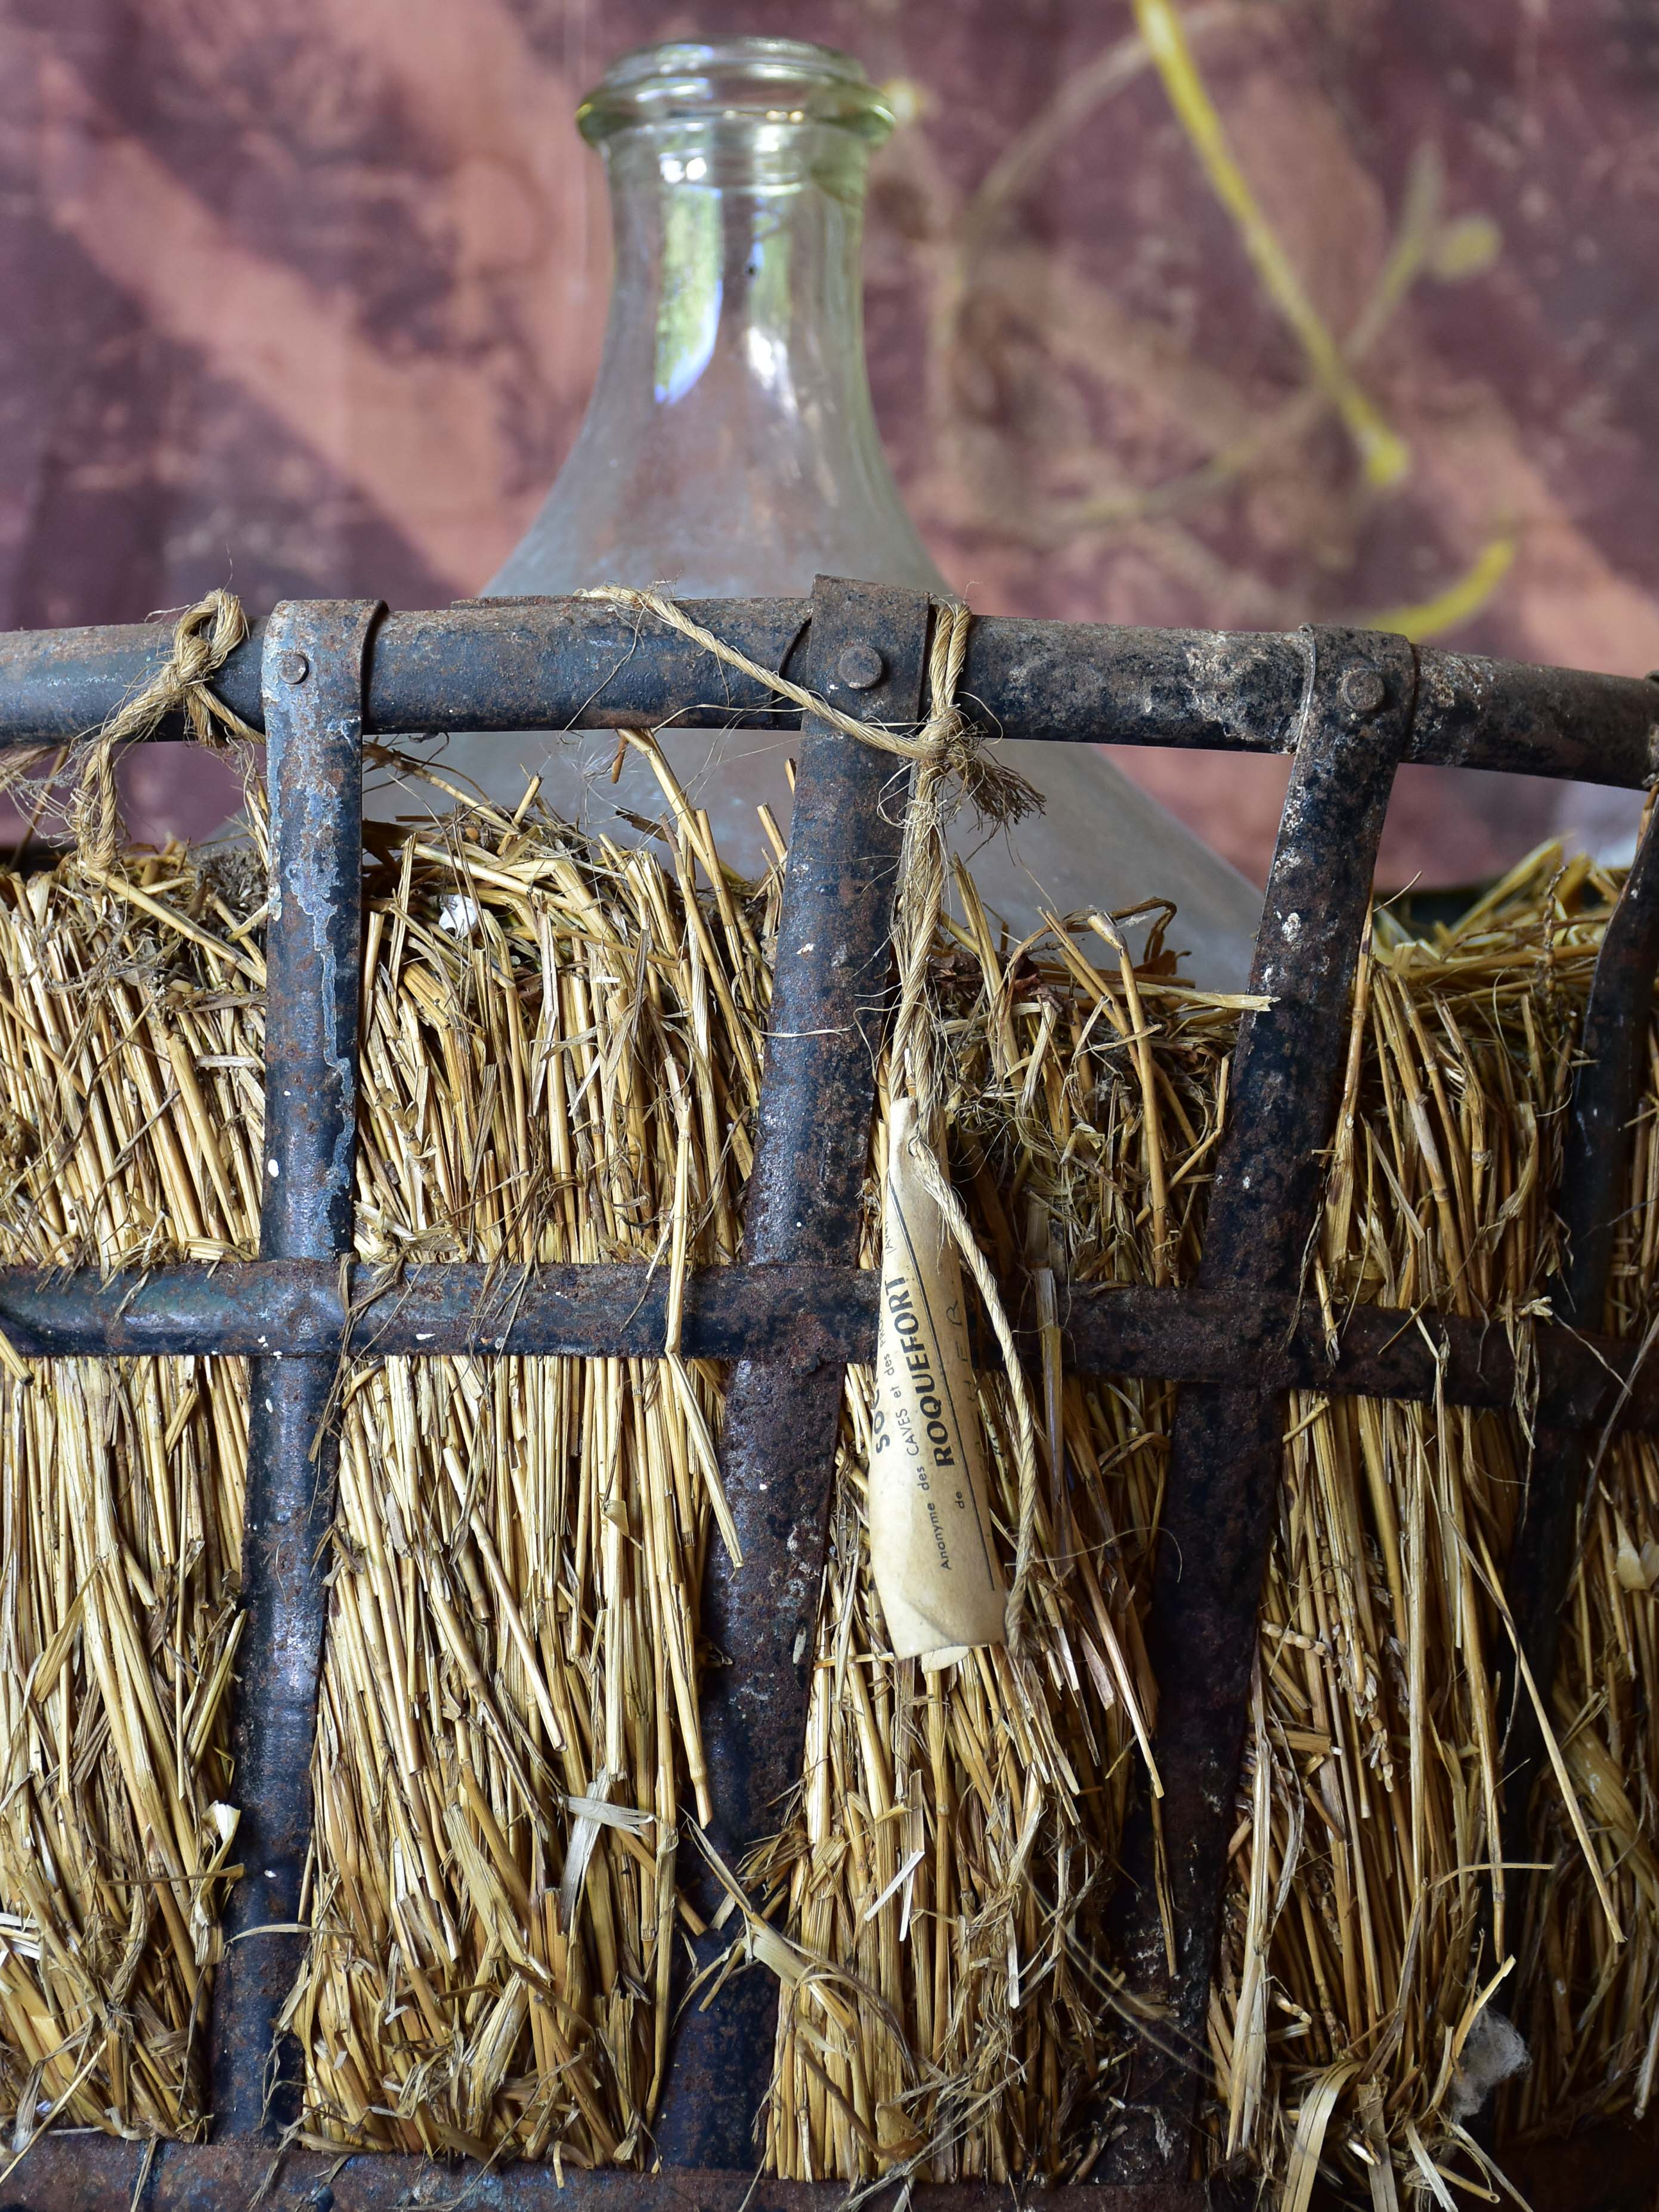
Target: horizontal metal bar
(84,2173)
(808,1312)
(262,1306)
(1607,2168)
(568,664)
(1381,1352)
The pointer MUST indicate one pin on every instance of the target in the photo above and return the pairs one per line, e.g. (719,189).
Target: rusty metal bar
(90,2174)
(1594,1191)
(565,664)
(1202,1336)
(1224,1454)
(806,1314)
(1611,2170)
(314,654)
(804,1203)
(586,1310)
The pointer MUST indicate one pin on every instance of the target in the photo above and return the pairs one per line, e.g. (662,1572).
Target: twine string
(951,765)
(924,859)
(924,864)
(204,638)
(997,792)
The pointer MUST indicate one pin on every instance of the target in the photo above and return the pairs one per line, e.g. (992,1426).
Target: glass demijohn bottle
(730,450)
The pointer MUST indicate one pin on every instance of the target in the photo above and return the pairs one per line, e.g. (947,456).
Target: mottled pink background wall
(307,295)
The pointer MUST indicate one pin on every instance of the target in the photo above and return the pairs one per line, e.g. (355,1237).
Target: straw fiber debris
(561,1059)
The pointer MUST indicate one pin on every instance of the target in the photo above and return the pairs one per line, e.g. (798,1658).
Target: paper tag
(936,1571)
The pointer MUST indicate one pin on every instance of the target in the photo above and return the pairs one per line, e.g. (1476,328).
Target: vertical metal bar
(867,655)
(314,657)
(1594,1190)
(1224,1468)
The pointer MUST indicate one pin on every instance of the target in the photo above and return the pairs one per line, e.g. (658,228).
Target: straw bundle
(1349,2012)
(561,1061)
(1351,2020)
(130,1083)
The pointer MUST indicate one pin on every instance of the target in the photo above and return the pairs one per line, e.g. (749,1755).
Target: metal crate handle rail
(1349,707)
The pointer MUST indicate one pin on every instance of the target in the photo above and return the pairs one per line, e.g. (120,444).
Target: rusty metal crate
(1348,707)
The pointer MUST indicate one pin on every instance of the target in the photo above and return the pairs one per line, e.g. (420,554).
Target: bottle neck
(736,272)
(730,445)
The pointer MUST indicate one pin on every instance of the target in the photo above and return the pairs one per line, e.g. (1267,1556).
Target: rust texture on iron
(314,725)
(807,1315)
(805,1202)
(1211,1554)
(91,2174)
(1610,2169)
(565,664)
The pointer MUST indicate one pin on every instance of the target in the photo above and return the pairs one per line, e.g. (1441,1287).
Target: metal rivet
(1362,688)
(293,667)
(860,667)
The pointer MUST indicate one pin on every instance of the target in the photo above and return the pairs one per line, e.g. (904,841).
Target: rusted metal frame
(90,2174)
(1554,704)
(1218,1501)
(314,658)
(805,1203)
(1594,1191)
(562,663)
(801,1312)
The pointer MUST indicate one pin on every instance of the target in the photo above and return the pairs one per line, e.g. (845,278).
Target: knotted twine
(950,767)
(204,638)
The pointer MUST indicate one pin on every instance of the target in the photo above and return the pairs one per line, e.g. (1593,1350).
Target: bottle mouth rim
(768,80)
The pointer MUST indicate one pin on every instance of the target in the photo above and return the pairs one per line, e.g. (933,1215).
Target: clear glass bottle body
(730,450)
